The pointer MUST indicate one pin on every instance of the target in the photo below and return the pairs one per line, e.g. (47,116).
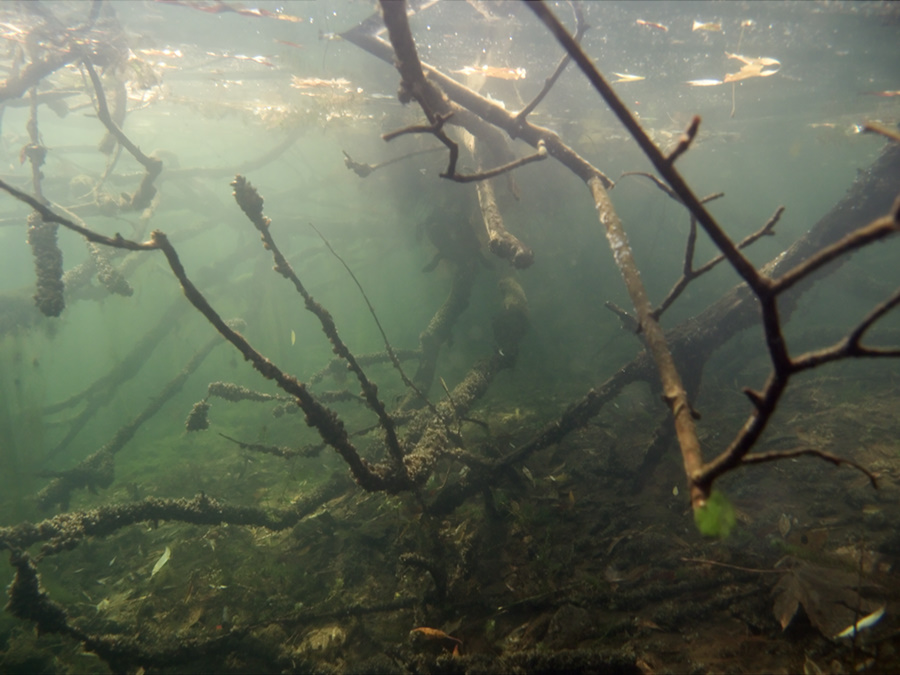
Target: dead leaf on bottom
(830,597)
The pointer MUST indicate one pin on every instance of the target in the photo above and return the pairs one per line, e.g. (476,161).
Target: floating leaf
(753,67)
(717,517)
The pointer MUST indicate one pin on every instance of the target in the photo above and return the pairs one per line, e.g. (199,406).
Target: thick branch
(673,389)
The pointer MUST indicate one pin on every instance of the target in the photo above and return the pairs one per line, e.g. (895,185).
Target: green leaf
(717,517)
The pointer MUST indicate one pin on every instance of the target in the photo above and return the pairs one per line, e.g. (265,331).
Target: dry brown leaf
(829,597)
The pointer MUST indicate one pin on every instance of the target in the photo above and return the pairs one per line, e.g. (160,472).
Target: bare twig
(685,141)
(435,126)
(387,345)
(363,170)
(629,323)
(152,165)
(688,271)
(478,114)
(775,455)
(656,180)
(874,231)
(580,29)
(850,346)
(251,204)
(501,241)
(118,241)
(704,561)
(515,164)
(329,426)
(765,401)
(17,84)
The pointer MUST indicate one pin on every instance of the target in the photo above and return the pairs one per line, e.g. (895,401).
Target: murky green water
(270,91)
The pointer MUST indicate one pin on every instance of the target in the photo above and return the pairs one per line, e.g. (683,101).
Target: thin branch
(252,204)
(326,422)
(153,166)
(433,128)
(657,181)
(329,426)
(478,114)
(501,241)
(363,170)
(118,241)
(688,271)
(515,164)
(873,316)
(580,29)
(387,345)
(767,230)
(765,402)
(704,561)
(776,455)
(879,229)
(97,470)
(17,84)
(629,323)
(685,141)
(850,346)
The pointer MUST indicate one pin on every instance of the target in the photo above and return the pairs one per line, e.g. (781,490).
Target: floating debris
(752,67)
(497,73)
(163,559)
(338,83)
(625,77)
(652,24)
(170,53)
(708,26)
(261,60)
(295,45)
(219,7)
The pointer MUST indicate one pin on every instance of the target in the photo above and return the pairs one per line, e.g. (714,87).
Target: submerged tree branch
(764,287)
(580,29)
(145,192)
(251,204)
